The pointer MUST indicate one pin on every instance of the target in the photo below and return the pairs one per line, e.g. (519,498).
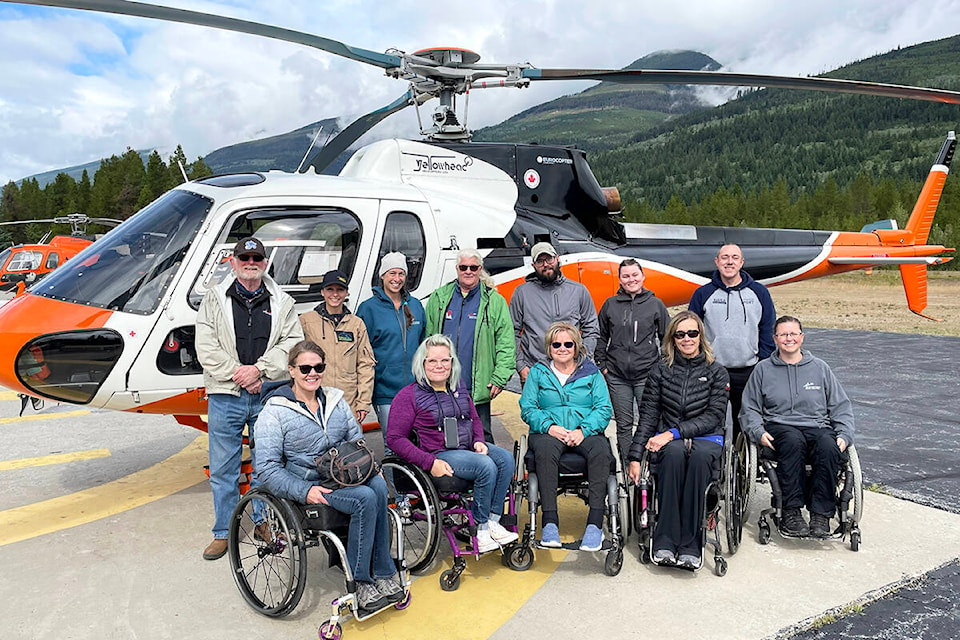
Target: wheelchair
(573,482)
(849,490)
(444,506)
(270,568)
(723,504)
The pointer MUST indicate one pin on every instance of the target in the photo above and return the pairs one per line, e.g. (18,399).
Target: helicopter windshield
(301,244)
(25,261)
(130,268)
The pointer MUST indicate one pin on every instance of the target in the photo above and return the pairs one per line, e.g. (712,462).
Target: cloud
(76,85)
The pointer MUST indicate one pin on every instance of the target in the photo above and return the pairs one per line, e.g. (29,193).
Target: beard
(548,276)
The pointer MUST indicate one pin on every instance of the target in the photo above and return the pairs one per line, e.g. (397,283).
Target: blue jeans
(369,536)
(226,417)
(490,473)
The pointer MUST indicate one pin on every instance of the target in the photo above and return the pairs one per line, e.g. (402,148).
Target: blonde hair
(556,328)
(670,349)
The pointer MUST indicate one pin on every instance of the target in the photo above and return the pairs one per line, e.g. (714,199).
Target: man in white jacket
(245,328)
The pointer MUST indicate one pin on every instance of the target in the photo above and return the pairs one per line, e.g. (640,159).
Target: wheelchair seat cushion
(571,463)
(451,484)
(318,517)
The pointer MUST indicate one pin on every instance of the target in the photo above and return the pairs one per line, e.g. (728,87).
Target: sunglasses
(468,267)
(565,345)
(247,258)
(680,335)
(305,369)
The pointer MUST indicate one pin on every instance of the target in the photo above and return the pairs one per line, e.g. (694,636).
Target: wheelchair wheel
(746,472)
(613,562)
(518,557)
(732,502)
(271,573)
(421,527)
(854,466)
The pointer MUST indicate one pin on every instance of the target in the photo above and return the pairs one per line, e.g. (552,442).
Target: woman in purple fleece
(436,399)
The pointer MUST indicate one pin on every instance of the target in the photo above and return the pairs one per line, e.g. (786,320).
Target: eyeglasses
(680,335)
(247,258)
(545,260)
(305,369)
(566,345)
(433,363)
(468,267)
(791,335)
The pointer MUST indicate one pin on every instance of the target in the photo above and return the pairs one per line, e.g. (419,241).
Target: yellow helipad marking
(45,416)
(56,458)
(8,395)
(490,593)
(178,472)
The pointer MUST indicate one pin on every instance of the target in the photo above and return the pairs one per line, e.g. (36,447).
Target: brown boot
(262,532)
(216,549)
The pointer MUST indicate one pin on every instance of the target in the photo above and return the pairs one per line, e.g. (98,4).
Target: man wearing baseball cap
(245,328)
(547,297)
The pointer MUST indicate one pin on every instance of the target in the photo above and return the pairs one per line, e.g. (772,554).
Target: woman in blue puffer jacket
(567,405)
(299,422)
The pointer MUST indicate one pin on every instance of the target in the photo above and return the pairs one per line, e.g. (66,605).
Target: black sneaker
(819,525)
(793,524)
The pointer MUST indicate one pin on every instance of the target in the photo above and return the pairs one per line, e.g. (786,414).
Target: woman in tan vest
(343,337)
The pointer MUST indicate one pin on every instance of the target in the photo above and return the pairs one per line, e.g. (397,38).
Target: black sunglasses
(247,258)
(557,345)
(306,368)
(468,267)
(692,333)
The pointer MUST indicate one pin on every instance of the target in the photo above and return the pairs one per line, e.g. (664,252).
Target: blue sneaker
(592,538)
(551,536)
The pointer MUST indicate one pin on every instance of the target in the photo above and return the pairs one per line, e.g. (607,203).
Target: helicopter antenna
(183,171)
(312,142)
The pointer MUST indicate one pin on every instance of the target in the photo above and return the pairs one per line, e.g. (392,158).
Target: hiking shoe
(592,539)
(262,532)
(793,523)
(216,549)
(499,534)
(550,537)
(688,561)
(485,541)
(819,525)
(404,509)
(389,588)
(665,556)
(369,597)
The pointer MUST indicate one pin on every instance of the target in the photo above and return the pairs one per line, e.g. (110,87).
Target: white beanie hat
(395,260)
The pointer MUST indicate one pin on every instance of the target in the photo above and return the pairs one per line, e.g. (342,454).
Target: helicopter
(27,263)
(114,327)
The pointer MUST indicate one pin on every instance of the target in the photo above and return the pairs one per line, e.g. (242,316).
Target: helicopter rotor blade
(26,221)
(342,141)
(645,76)
(107,222)
(186,16)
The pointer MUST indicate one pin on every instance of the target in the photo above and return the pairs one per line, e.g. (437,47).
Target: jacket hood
(282,388)
(644,294)
(378,292)
(584,369)
(806,358)
(745,281)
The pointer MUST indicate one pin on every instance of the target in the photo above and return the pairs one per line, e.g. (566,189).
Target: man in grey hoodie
(547,297)
(793,404)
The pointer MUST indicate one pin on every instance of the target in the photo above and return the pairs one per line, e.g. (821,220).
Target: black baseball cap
(335,277)
(250,247)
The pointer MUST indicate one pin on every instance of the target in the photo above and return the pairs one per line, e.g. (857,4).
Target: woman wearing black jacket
(681,425)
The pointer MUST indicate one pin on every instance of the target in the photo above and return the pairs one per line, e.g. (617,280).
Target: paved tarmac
(107,546)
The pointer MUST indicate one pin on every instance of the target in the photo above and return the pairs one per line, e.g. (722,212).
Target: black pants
(738,380)
(682,480)
(547,450)
(483,412)
(792,447)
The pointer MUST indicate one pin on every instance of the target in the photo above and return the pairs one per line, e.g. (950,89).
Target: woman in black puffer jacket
(681,425)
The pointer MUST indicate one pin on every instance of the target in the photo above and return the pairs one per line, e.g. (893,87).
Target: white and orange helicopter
(114,327)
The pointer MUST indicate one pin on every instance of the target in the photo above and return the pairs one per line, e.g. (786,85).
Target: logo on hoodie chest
(811,386)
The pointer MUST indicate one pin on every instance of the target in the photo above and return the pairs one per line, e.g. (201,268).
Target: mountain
(283,152)
(607,115)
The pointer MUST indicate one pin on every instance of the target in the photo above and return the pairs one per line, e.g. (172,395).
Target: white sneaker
(485,542)
(499,534)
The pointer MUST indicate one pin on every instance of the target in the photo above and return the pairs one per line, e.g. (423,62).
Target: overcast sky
(76,86)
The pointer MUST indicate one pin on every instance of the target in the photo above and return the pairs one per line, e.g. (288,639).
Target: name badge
(344,336)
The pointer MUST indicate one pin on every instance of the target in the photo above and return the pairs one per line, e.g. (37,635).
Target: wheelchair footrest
(575,546)
(508,520)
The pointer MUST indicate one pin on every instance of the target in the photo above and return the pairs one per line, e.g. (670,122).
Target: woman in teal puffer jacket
(567,405)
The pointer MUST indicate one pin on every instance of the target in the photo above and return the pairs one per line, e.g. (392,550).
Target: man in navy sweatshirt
(738,316)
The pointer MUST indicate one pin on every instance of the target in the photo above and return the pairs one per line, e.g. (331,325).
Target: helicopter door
(409,228)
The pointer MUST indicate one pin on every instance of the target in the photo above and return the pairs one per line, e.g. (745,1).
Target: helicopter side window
(130,268)
(302,245)
(25,261)
(52,260)
(403,232)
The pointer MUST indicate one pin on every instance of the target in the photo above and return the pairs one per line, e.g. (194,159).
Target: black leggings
(547,451)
